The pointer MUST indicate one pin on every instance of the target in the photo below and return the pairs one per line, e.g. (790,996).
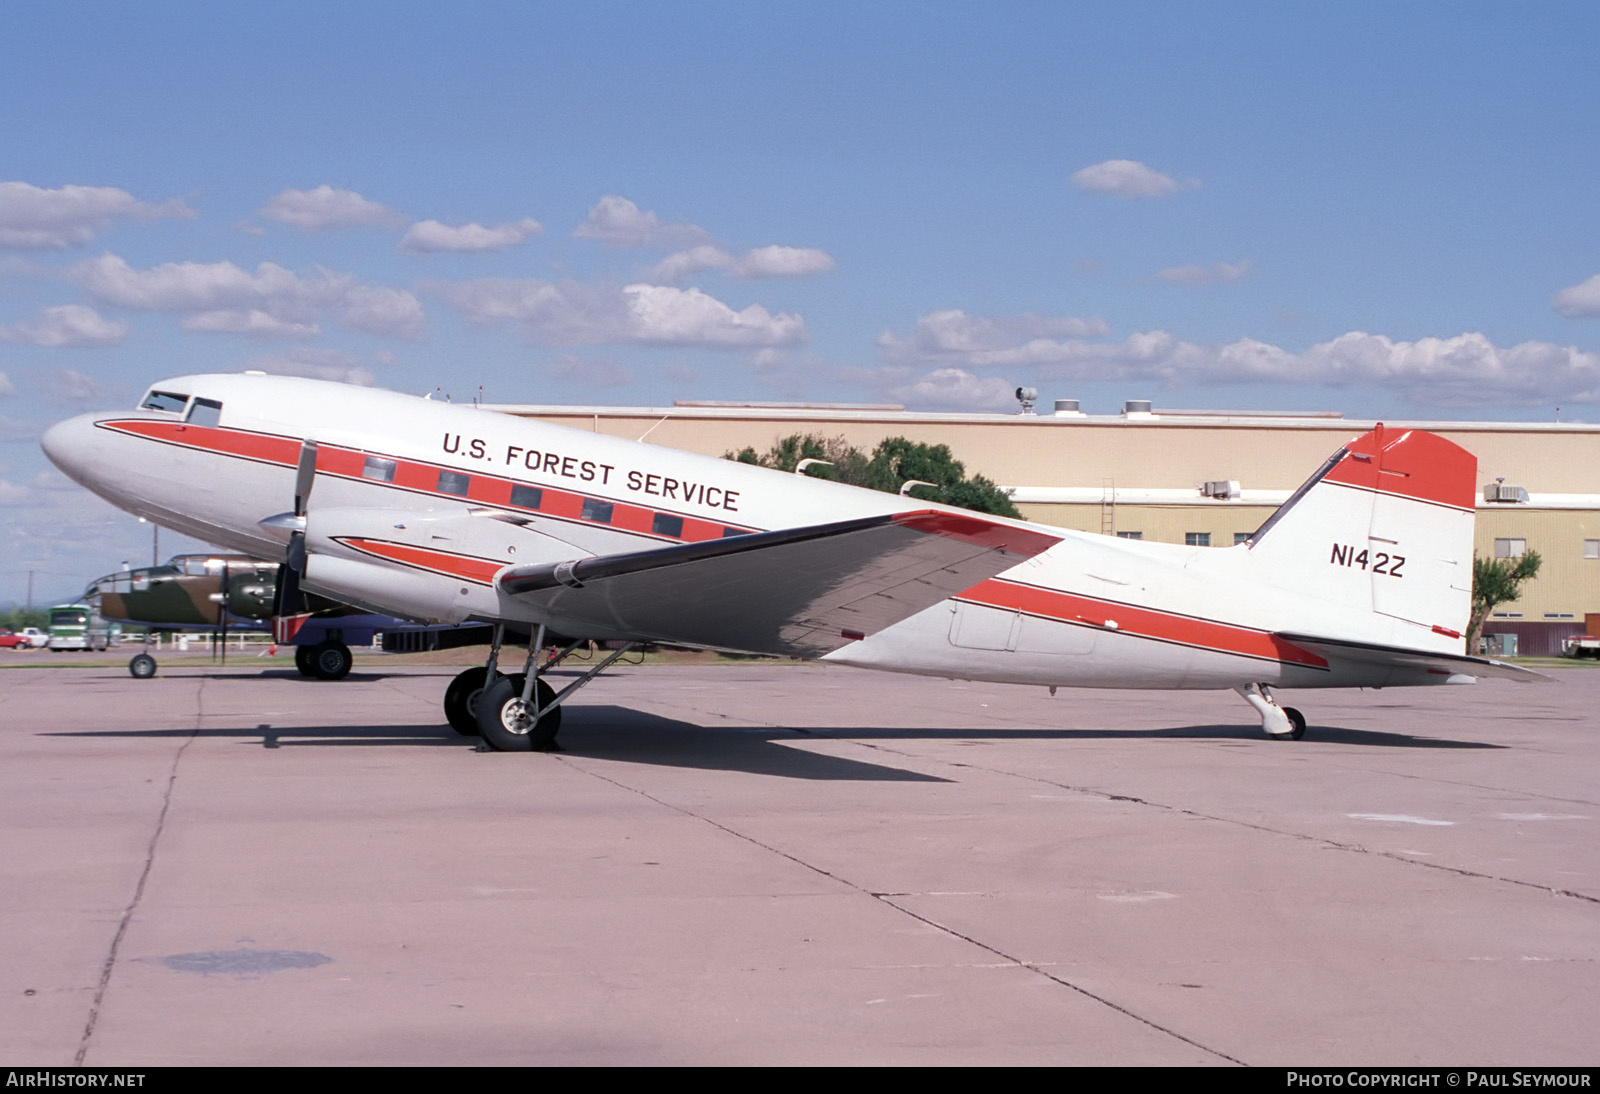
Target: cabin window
(596,510)
(1197,539)
(378,469)
(526,497)
(205,412)
(454,482)
(169,401)
(729,533)
(665,524)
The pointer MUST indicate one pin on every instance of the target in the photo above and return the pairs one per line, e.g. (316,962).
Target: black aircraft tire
(461,700)
(302,659)
(142,667)
(503,724)
(1297,720)
(331,661)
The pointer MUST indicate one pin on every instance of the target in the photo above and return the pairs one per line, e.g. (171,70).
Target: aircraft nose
(69,445)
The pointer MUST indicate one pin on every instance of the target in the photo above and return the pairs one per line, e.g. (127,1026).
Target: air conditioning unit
(1499,491)
(1220,488)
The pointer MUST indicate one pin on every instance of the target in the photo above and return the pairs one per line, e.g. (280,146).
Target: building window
(1508,615)
(596,510)
(1197,539)
(526,497)
(1558,615)
(1510,548)
(1591,548)
(665,524)
(378,469)
(454,482)
(1130,535)
(1240,537)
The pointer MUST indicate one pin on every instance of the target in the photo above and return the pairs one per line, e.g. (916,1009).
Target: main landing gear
(1281,723)
(515,712)
(328,660)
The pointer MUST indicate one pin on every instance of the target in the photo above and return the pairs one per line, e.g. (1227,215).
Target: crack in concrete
(1338,845)
(110,963)
(1038,969)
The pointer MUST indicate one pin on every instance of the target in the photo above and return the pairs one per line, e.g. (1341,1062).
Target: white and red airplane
(446,513)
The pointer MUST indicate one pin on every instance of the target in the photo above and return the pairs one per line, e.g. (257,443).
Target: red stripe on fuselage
(1140,622)
(466,567)
(417,477)
(261,447)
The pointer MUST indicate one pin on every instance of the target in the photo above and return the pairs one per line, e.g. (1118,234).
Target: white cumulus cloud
(431,237)
(571,313)
(1466,370)
(762,262)
(1215,274)
(953,335)
(67,325)
(6,386)
(34,218)
(618,222)
(1125,179)
(223,296)
(251,321)
(1579,301)
(325,207)
(956,389)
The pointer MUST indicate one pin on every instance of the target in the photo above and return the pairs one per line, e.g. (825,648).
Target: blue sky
(1383,209)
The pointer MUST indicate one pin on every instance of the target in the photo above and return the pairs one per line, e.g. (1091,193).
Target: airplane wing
(1336,649)
(799,592)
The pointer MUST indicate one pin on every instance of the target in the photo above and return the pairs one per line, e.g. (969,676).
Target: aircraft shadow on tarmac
(620,733)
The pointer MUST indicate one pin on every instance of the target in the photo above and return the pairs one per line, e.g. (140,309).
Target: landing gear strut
(515,712)
(1281,723)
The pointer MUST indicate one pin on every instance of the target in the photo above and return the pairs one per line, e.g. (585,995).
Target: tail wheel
(508,724)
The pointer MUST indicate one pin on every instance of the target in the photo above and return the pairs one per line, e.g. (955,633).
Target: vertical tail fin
(1385,525)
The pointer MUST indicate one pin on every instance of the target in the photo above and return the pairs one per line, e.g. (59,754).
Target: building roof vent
(1065,407)
(1136,406)
(1499,491)
(1220,488)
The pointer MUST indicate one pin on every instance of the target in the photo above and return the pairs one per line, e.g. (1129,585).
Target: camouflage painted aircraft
(223,592)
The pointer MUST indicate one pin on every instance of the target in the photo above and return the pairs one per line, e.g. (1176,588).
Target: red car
(9,641)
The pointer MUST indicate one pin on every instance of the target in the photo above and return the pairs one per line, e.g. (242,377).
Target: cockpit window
(164,400)
(205,412)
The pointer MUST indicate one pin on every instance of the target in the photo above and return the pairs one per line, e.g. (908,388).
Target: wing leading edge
(1455,664)
(799,592)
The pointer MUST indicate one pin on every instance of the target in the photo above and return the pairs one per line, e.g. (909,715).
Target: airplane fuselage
(416,505)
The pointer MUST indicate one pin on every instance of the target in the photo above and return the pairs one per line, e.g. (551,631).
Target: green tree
(893,463)
(1497,581)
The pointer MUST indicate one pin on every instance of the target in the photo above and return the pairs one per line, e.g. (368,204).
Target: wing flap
(795,592)
(1454,664)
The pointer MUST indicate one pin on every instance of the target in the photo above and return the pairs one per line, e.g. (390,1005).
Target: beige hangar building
(1199,477)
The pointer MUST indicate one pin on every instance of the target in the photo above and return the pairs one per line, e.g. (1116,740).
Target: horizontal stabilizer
(1454,664)
(799,592)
